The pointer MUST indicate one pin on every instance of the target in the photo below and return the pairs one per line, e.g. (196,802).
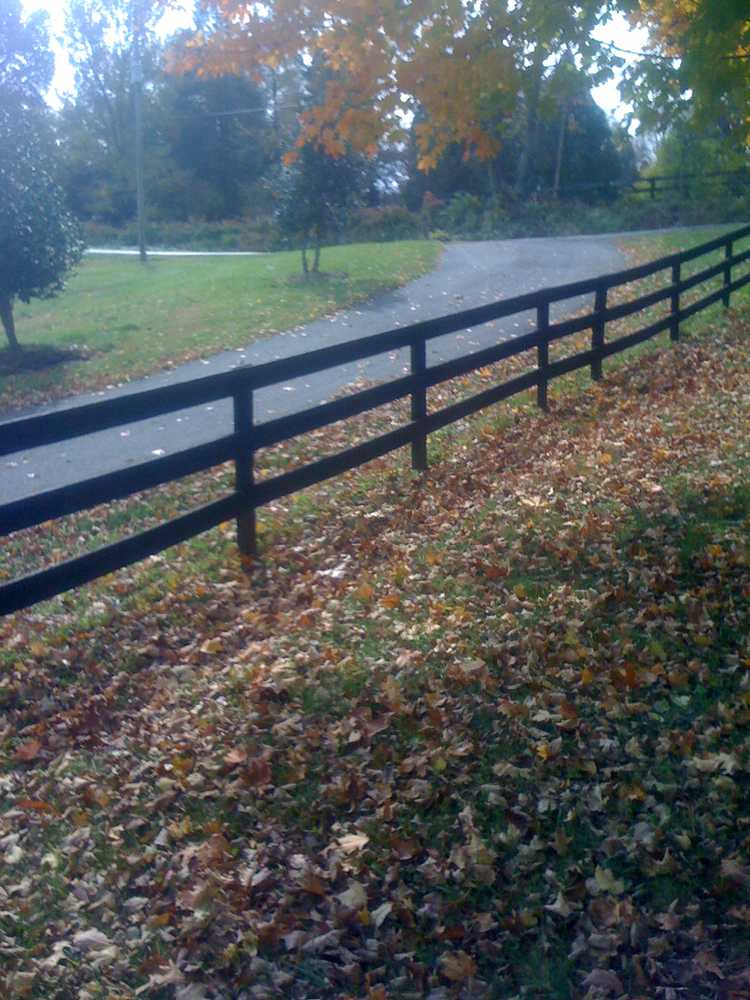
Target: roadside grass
(132,319)
(479,733)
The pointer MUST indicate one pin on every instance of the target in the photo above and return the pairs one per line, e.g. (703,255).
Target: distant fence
(658,184)
(247,437)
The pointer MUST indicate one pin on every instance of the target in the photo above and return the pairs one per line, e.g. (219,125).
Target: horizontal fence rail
(248,437)
(657,184)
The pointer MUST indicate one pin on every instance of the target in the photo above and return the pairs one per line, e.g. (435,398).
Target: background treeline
(215,174)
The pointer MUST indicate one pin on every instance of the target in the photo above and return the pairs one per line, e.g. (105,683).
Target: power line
(641,55)
(198,113)
(248,111)
(668,59)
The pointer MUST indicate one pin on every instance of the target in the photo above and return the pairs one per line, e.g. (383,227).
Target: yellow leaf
(182,765)
(352,842)
(606,881)
(458,966)
(392,693)
(427,162)
(181,828)
(355,897)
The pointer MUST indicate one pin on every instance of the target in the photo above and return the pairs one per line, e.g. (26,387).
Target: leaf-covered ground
(484,733)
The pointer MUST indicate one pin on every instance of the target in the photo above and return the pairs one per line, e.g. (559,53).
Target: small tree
(40,241)
(314,189)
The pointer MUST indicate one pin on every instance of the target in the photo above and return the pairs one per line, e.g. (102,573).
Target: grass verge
(482,733)
(131,319)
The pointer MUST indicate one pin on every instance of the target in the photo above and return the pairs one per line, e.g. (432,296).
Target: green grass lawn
(133,319)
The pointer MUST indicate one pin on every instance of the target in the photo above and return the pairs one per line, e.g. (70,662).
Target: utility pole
(136,77)
(564,117)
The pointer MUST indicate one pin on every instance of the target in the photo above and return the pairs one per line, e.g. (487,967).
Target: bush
(258,234)
(381,225)
(463,215)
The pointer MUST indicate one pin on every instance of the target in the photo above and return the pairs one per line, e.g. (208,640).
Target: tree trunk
(533,94)
(305,268)
(316,260)
(492,184)
(275,104)
(9,323)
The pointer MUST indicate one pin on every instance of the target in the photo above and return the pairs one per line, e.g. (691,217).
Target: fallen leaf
(352,842)
(28,751)
(90,940)
(458,966)
(605,980)
(355,897)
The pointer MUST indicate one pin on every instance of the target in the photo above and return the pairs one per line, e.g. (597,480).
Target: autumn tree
(458,61)
(699,65)
(461,71)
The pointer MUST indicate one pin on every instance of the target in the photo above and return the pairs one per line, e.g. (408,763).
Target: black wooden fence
(248,437)
(659,184)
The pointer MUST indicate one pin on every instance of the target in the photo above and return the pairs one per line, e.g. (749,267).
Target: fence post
(542,353)
(727,274)
(597,331)
(652,186)
(418,404)
(674,326)
(247,540)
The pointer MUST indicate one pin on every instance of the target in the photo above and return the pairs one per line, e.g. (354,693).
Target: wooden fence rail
(656,184)
(248,437)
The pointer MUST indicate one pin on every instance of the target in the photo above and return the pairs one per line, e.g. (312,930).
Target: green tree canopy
(700,63)
(39,239)
(26,63)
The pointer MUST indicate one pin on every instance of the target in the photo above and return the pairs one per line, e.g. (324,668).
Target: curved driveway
(468,274)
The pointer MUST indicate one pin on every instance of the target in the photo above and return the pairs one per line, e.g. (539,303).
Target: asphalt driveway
(469,274)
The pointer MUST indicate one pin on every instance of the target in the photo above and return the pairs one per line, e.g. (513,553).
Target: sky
(617,31)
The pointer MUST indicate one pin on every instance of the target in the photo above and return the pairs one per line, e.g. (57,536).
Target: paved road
(130,252)
(469,274)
